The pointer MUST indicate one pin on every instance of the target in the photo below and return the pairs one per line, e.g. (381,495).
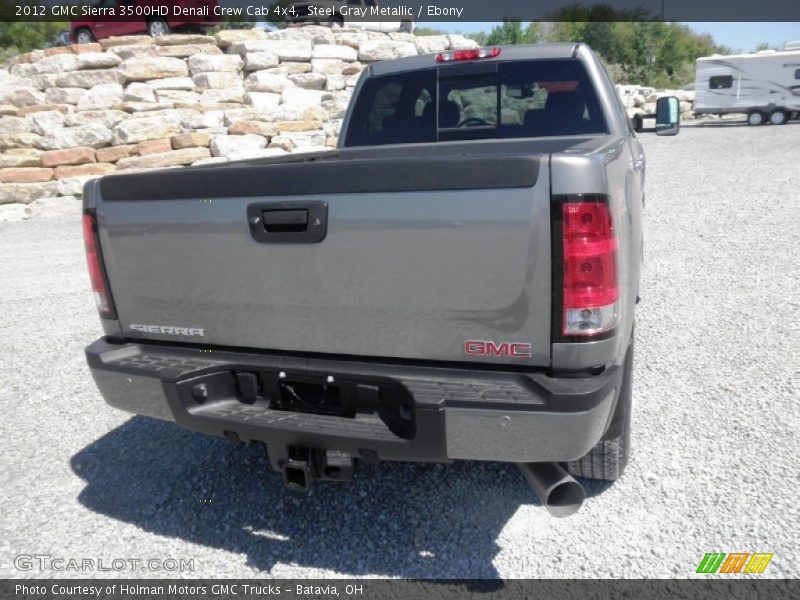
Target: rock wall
(135,103)
(642,100)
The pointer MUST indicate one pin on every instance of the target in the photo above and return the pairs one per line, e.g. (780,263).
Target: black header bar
(419,11)
(377,589)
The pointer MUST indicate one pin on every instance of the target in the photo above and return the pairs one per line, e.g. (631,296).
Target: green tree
(636,46)
(27,36)
(511,32)
(764,46)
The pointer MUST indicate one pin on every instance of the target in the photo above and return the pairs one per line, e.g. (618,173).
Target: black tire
(756,117)
(157,28)
(608,459)
(83,36)
(778,117)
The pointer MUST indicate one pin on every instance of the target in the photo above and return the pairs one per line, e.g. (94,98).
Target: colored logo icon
(735,562)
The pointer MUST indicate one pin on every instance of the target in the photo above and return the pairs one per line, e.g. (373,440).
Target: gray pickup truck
(456,281)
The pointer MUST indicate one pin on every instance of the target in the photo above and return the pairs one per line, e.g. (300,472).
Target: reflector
(102,297)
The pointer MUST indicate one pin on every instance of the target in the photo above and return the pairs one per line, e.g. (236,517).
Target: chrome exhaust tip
(559,492)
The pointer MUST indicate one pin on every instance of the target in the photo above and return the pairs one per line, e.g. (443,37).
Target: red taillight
(102,295)
(590,289)
(470,54)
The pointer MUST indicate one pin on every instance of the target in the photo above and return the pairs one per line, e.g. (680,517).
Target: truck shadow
(395,519)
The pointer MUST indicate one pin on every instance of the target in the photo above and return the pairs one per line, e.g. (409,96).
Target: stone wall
(642,100)
(135,103)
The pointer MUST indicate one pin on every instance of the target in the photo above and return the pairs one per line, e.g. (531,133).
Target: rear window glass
(519,99)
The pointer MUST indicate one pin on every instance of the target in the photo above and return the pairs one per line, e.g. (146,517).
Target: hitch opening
(304,465)
(297,475)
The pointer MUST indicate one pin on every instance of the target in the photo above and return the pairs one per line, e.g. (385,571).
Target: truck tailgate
(420,256)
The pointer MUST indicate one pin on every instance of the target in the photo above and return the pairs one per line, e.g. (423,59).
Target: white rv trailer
(764,85)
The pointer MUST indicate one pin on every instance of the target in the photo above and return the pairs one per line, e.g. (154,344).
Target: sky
(738,36)
(746,36)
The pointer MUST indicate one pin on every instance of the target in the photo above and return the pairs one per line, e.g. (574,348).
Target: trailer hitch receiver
(304,465)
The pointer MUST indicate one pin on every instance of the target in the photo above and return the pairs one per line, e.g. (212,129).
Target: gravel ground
(714,464)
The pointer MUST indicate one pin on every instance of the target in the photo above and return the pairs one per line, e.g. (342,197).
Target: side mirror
(668,116)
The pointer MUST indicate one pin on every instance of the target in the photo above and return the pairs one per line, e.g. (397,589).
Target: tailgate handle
(288,222)
(277,221)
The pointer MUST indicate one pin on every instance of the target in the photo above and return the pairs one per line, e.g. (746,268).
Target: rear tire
(608,459)
(157,27)
(778,117)
(756,118)
(84,36)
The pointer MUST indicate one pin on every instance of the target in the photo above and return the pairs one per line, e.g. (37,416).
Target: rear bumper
(442,413)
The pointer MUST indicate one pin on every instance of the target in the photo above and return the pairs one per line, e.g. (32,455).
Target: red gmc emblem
(508,349)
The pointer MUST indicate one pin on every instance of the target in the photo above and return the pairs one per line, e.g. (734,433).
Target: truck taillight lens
(590,285)
(102,295)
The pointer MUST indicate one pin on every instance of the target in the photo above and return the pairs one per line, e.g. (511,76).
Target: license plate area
(256,391)
(317,396)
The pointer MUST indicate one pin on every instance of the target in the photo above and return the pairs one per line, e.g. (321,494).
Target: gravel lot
(714,464)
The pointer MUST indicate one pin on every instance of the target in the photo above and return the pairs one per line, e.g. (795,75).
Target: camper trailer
(765,86)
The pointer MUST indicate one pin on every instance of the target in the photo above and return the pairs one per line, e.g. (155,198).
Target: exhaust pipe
(560,494)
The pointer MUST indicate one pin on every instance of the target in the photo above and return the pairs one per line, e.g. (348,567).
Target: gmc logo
(508,349)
